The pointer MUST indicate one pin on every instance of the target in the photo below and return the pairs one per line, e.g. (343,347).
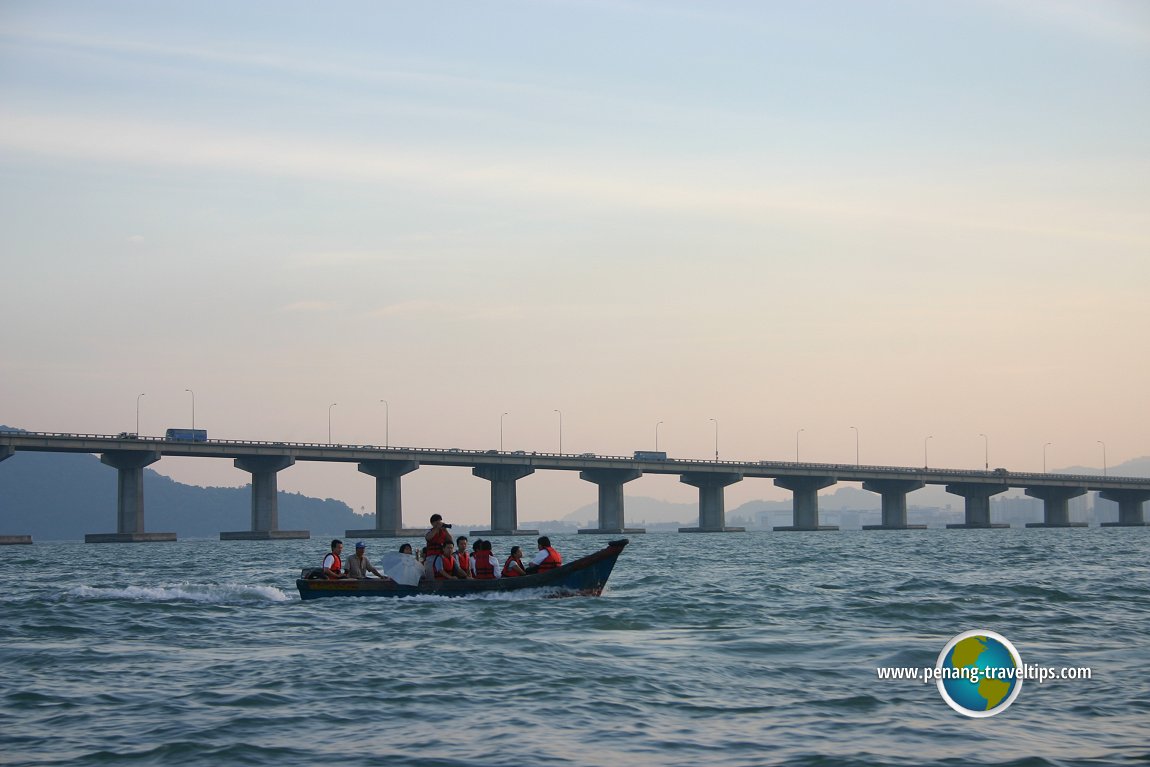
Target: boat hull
(582,577)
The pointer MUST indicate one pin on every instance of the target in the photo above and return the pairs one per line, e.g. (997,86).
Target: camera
(447,525)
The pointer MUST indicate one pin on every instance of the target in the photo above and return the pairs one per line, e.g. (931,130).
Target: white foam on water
(186,592)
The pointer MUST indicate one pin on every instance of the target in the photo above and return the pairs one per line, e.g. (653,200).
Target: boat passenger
(462,554)
(547,558)
(437,536)
(405,549)
(358,566)
(483,564)
(445,566)
(513,567)
(332,564)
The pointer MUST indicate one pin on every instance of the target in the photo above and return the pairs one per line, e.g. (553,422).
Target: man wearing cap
(358,565)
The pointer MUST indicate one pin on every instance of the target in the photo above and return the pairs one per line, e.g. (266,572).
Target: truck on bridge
(650,455)
(187,435)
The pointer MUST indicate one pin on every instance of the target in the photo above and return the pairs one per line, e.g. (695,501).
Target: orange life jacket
(508,572)
(484,566)
(464,561)
(448,565)
(435,545)
(553,560)
(336,565)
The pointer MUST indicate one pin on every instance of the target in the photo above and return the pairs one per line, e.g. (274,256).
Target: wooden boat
(582,577)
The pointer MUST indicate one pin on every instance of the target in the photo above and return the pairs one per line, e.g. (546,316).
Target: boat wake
(186,592)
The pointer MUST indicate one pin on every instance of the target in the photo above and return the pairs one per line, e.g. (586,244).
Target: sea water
(725,650)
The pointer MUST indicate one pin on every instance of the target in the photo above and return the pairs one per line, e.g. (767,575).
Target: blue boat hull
(583,577)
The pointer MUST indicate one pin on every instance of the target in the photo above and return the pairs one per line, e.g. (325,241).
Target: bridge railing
(998,476)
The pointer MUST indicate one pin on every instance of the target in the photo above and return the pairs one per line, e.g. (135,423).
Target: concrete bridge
(129,455)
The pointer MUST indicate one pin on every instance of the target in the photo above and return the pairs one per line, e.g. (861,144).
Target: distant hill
(62,496)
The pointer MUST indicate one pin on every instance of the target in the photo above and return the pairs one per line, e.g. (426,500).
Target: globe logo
(979,673)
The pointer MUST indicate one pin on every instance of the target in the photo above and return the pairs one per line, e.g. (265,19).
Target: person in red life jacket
(483,565)
(462,555)
(547,558)
(332,564)
(513,567)
(437,536)
(445,566)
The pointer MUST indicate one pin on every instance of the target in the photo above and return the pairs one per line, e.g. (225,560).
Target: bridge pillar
(712,512)
(977,497)
(806,503)
(1129,507)
(129,465)
(265,500)
(504,509)
(610,482)
(1055,505)
(893,492)
(388,500)
(7,451)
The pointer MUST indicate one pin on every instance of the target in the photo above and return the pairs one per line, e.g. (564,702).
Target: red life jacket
(435,545)
(336,565)
(448,565)
(464,561)
(484,566)
(553,560)
(508,572)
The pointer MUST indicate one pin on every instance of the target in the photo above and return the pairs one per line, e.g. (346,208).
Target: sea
(724,650)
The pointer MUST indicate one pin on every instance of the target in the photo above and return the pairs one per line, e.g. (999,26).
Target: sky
(788,229)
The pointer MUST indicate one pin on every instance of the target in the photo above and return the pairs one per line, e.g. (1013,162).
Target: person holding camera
(438,535)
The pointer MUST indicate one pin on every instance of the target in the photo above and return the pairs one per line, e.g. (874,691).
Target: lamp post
(386,424)
(560,412)
(985,452)
(138,413)
(716,438)
(1100,442)
(329,407)
(501,431)
(797,433)
(657,435)
(856,445)
(1048,444)
(189,391)
(925,457)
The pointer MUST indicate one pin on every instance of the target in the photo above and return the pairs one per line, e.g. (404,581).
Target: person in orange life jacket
(462,555)
(547,558)
(358,565)
(513,567)
(445,566)
(332,564)
(483,564)
(437,536)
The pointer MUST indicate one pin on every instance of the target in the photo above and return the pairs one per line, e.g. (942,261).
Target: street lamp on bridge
(797,433)
(501,431)
(138,413)
(716,438)
(560,412)
(856,444)
(1100,442)
(657,435)
(925,457)
(189,391)
(985,452)
(386,423)
(329,407)
(1048,444)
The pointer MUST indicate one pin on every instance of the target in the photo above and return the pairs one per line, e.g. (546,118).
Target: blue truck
(187,435)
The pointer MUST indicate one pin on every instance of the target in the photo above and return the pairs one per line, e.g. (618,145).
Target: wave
(186,592)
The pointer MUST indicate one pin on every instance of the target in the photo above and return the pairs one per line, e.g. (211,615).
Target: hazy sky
(916,219)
